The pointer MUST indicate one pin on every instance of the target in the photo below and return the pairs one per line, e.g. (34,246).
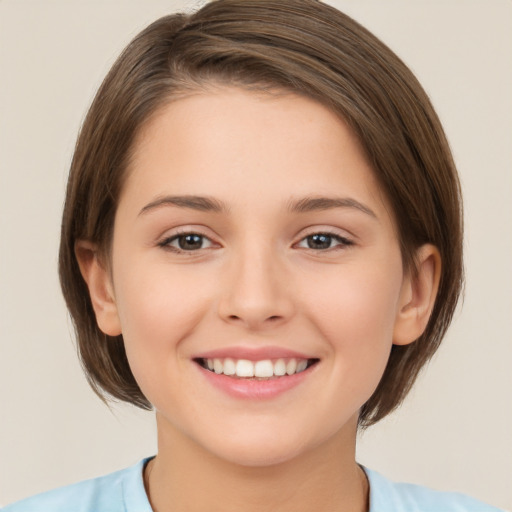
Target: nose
(257,293)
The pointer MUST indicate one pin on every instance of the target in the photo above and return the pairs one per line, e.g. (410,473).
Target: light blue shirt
(123,491)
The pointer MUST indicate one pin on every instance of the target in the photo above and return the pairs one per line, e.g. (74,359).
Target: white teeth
(263,369)
(301,366)
(291,367)
(244,368)
(229,367)
(280,367)
(217,366)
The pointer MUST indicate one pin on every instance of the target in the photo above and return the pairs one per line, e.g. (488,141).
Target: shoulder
(122,491)
(388,496)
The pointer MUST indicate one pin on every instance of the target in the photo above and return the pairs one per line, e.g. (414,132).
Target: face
(251,237)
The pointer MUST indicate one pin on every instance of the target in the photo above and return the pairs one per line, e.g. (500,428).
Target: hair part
(300,46)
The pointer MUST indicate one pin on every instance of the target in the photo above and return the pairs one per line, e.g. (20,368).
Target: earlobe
(418,295)
(99,282)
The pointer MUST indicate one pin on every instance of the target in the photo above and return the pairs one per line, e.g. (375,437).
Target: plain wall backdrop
(454,430)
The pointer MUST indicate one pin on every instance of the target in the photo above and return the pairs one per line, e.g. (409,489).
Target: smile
(263,369)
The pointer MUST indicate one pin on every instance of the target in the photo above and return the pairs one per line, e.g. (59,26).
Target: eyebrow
(200,203)
(303,205)
(308,204)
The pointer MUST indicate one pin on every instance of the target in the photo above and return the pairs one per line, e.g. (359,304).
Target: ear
(101,291)
(417,296)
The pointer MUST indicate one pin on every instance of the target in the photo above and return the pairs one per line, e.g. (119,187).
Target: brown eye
(324,241)
(319,241)
(186,242)
(190,242)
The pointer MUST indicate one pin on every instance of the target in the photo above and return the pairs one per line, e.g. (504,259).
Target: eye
(186,242)
(323,241)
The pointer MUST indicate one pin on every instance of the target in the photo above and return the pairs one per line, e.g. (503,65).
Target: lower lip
(253,389)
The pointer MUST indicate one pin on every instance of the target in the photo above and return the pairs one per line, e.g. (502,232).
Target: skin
(256,281)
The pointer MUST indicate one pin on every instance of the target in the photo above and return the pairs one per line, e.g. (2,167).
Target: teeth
(260,369)
(291,366)
(264,369)
(301,366)
(229,367)
(244,368)
(217,366)
(280,367)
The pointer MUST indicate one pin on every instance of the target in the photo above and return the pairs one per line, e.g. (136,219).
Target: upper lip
(252,353)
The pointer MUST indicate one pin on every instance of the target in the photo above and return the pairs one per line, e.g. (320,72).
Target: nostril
(270,319)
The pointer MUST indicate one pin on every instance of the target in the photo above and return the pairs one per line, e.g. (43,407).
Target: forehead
(239,145)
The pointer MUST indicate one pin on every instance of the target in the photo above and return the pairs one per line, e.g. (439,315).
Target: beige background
(454,432)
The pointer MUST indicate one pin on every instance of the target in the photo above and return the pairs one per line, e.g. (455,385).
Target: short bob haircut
(300,46)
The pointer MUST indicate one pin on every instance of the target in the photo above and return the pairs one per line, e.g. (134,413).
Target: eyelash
(342,242)
(166,242)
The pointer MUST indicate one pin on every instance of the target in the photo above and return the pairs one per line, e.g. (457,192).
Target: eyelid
(343,239)
(172,235)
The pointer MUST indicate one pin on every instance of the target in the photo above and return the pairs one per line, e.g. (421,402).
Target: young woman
(262,240)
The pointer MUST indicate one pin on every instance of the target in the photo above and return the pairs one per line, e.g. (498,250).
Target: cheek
(158,308)
(357,302)
(356,312)
(152,295)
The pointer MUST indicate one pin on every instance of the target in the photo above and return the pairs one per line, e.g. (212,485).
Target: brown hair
(303,46)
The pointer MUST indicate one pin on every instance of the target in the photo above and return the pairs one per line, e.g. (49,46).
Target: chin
(257,456)
(261,447)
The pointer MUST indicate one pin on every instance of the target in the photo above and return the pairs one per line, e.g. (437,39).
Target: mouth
(265,369)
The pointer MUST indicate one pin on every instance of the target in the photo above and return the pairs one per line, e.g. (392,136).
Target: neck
(185,477)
